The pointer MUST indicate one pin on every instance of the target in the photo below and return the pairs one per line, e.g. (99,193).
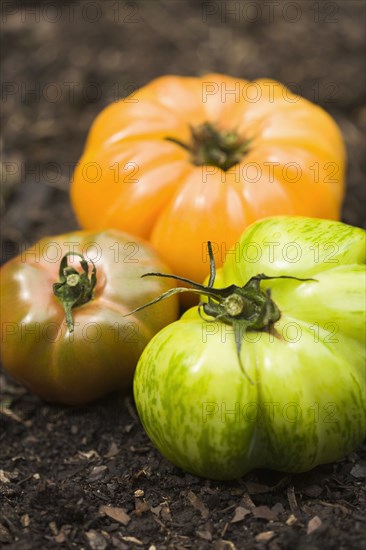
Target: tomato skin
(100,355)
(307,405)
(139,182)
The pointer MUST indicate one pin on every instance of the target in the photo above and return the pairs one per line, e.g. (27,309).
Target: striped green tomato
(287,396)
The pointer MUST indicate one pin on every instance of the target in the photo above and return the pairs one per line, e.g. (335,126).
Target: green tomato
(287,396)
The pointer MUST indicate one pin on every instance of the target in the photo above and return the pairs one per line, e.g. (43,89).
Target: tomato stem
(74,288)
(245,308)
(210,146)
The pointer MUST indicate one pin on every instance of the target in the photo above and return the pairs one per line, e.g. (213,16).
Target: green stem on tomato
(213,147)
(244,308)
(74,288)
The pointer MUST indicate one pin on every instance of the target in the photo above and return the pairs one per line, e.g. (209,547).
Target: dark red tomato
(91,280)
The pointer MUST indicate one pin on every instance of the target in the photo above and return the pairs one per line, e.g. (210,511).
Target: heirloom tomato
(185,160)
(63,301)
(269,372)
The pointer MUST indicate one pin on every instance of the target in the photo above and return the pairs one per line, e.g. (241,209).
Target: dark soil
(62,62)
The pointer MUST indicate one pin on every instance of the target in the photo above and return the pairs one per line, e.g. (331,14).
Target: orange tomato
(186,160)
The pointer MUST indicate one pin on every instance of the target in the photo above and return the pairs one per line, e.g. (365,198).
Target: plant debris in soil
(89,478)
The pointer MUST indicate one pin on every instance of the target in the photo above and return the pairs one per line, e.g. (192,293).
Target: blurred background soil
(62,62)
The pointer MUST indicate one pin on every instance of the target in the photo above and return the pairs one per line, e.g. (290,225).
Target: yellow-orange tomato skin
(132,178)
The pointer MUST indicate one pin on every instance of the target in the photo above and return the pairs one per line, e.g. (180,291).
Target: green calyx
(213,147)
(74,288)
(246,308)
